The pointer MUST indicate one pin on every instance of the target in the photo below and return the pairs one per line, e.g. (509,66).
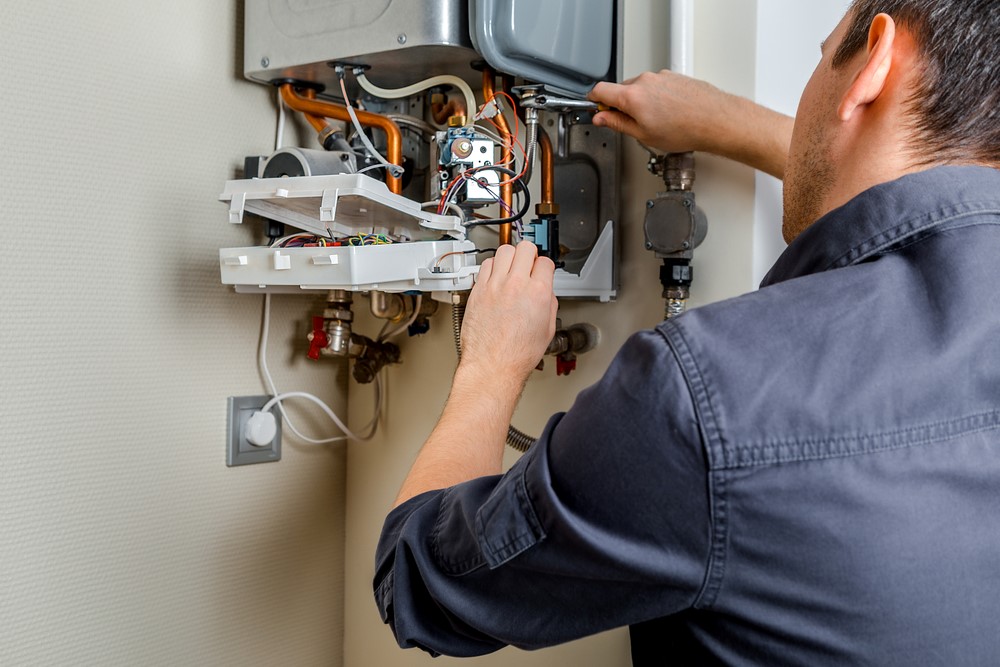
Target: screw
(649,246)
(265,61)
(685,245)
(650,203)
(401,38)
(687,203)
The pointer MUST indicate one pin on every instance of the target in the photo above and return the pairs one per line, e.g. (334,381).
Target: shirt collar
(887,215)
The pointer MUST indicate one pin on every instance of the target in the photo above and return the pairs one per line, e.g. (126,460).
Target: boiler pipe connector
(332,336)
(387,306)
(674,226)
(566,344)
(394,137)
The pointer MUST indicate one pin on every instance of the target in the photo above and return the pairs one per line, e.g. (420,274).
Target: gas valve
(331,335)
(568,343)
(317,337)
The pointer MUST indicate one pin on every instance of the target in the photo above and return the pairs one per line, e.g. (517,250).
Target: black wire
(525,205)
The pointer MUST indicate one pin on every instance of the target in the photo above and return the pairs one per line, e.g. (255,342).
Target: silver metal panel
(402,40)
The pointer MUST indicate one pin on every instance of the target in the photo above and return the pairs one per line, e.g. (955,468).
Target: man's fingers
(485,270)
(617,121)
(543,268)
(502,260)
(606,93)
(524,258)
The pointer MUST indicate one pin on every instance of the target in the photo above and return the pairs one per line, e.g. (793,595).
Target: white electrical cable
(349,434)
(394,169)
(407,91)
(279,135)
(451,206)
(372,426)
(418,301)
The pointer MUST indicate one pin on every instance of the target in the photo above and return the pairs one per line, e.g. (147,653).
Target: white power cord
(261,427)
(407,91)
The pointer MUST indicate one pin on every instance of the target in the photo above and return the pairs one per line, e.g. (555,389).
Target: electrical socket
(239,451)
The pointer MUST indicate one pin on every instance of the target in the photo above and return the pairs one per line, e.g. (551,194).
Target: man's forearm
(509,322)
(754,135)
(469,438)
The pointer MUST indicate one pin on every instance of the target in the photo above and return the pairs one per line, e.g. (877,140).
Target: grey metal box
(566,44)
(402,40)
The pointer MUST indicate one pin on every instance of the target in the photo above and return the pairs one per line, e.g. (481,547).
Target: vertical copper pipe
(507,156)
(394,138)
(547,167)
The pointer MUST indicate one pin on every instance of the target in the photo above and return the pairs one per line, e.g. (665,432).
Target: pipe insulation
(682,37)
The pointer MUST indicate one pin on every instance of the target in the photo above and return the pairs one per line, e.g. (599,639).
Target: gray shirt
(805,475)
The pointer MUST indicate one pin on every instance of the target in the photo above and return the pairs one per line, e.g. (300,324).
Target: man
(809,474)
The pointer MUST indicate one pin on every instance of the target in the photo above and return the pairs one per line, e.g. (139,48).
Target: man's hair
(955,108)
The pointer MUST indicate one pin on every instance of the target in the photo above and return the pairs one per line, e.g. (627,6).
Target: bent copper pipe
(394,138)
(507,156)
(441,112)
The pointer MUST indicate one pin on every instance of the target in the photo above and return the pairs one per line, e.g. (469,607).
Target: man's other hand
(677,114)
(663,110)
(511,315)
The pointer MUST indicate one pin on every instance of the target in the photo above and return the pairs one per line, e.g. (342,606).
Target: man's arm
(509,322)
(677,114)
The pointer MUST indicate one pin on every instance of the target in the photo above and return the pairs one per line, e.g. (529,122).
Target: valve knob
(565,364)
(317,338)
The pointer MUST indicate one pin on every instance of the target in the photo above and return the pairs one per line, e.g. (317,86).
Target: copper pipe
(547,167)
(441,112)
(394,138)
(507,157)
(318,122)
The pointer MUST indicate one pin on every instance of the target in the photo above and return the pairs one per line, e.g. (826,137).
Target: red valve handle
(565,366)
(317,339)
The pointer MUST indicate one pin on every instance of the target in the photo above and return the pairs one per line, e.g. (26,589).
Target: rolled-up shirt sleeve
(604,522)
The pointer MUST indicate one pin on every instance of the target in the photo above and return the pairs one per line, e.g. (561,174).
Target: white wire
(279,135)
(407,91)
(394,169)
(349,434)
(372,426)
(418,301)
(451,206)
(492,135)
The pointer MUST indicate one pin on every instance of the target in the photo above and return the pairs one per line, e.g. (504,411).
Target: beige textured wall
(125,538)
(417,389)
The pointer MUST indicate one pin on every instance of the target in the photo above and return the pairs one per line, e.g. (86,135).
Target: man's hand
(509,322)
(511,315)
(663,110)
(676,114)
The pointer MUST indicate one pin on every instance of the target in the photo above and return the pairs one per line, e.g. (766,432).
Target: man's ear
(870,80)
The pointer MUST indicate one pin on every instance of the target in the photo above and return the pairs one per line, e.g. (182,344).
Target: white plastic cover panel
(340,204)
(427,266)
